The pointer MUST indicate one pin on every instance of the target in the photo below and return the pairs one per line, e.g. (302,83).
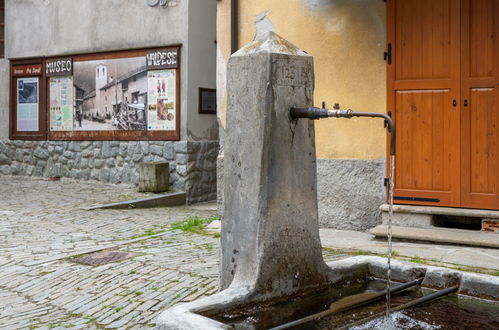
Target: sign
(162,59)
(161,102)
(27,91)
(27,70)
(207,101)
(59,67)
(61,103)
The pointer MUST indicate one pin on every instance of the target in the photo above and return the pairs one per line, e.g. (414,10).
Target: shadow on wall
(327,4)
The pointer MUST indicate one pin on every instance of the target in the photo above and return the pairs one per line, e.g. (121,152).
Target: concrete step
(168,199)
(440,235)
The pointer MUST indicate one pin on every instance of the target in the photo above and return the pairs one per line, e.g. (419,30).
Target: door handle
(454,103)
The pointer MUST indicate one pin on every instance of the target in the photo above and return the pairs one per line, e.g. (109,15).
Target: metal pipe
(371,298)
(318,113)
(234,37)
(415,302)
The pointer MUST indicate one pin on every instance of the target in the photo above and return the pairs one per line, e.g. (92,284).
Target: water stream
(390,215)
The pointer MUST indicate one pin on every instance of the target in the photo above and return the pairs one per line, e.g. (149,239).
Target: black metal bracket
(417,199)
(388,54)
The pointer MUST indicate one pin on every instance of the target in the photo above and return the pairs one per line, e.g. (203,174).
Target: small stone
(41,153)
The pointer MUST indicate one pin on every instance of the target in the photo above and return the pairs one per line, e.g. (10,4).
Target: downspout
(234,40)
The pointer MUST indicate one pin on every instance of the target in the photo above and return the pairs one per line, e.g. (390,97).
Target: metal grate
(102,257)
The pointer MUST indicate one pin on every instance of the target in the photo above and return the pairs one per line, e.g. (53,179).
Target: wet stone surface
(102,257)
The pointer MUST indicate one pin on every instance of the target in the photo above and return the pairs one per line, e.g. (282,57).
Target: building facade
(433,66)
(103,117)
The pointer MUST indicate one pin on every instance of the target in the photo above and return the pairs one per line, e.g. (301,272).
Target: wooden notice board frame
(122,135)
(157,58)
(27,68)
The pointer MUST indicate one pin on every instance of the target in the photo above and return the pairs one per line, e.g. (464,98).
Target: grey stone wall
(350,193)
(192,164)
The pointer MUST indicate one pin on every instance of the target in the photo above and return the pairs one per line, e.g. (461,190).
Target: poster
(27,104)
(61,103)
(161,115)
(110,94)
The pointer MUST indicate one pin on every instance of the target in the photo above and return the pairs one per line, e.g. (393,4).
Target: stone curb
(175,198)
(184,316)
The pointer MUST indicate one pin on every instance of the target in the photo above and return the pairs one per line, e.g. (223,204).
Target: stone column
(270,231)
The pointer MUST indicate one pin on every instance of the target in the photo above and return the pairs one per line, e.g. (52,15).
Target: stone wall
(350,193)
(192,164)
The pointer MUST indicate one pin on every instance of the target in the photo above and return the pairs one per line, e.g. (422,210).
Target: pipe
(318,113)
(234,40)
(415,302)
(371,298)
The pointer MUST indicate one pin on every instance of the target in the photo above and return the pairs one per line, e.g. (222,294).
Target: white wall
(59,27)
(201,66)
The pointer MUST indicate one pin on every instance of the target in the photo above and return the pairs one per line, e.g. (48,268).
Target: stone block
(168,151)
(154,176)
(41,153)
(180,147)
(408,219)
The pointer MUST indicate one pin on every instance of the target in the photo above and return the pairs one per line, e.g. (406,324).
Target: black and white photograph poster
(110,94)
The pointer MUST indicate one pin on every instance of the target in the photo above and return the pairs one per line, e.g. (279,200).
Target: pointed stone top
(267,41)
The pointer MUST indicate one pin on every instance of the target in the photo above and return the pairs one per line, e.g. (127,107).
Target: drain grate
(102,257)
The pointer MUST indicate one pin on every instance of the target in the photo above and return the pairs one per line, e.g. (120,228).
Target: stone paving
(44,223)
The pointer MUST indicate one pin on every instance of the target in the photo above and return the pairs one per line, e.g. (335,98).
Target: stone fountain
(270,233)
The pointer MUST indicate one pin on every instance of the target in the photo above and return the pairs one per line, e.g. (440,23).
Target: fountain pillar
(270,230)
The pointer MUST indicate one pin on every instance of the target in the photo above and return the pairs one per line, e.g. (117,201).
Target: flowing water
(390,216)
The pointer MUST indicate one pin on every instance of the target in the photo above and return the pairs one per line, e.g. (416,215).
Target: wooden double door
(443,81)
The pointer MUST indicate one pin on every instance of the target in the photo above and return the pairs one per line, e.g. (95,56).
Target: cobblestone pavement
(43,223)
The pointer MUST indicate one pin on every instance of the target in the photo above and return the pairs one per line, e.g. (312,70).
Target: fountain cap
(267,41)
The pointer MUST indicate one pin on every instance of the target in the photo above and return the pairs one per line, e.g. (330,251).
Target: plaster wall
(347,41)
(202,67)
(59,27)
(4,99)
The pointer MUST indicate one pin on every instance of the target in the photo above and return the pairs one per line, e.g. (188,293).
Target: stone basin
(351,270)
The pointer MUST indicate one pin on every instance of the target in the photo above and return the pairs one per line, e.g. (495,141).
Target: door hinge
(386,182)
(389,115)
(388,54)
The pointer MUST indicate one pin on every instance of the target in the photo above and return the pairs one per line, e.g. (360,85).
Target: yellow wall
(347,40)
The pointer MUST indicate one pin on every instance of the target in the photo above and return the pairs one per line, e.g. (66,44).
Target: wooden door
(423,96)
(480,103)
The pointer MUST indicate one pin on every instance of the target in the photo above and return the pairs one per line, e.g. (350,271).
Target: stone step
(169,199)
(440,235)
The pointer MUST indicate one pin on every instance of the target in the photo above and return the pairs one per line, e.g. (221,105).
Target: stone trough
(270,234)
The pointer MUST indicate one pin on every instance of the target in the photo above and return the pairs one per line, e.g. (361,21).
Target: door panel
(480,119)
(423,36)
(422,85)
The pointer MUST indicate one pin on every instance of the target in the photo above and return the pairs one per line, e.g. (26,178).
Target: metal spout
(318,113)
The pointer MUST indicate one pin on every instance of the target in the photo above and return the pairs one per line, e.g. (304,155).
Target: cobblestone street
(43,223)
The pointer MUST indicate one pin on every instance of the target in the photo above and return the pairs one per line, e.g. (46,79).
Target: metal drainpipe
(234,40)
